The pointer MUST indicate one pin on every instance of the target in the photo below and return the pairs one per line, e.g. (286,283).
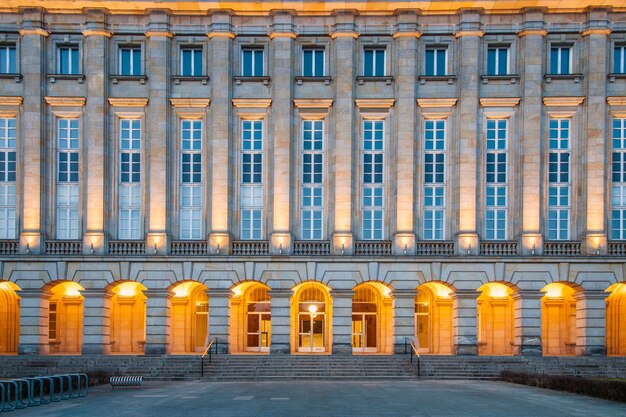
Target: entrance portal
(259,322)
(364,321)
(312,321)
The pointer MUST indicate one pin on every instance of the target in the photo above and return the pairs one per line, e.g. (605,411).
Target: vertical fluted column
(33,322)
(218,317)
(527,322)
(342,321)
(404,318)
(465,323)
(281,320)
(591,322)
(96,322)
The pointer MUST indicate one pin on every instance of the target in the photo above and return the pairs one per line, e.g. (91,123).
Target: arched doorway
(495,319)
(128,318)
(65,318)
(189,318)
(558,319)
(9,318)
(433,319)
(250,318)
(616,320)
(372,319)
(311,311)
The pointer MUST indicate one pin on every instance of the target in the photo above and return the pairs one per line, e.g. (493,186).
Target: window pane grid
(312,207)
(8,59)
(374,62)
(8,174)
(130,60)
(252,62)
(251,188)
(618,189)
(190,210)
(498,60)
(560,60)
(129,207)
(434,203)
(619,59)
(436,61)
(373,212)
(313,62)
(191,62)
(373,178)
(559,180)
(67,59)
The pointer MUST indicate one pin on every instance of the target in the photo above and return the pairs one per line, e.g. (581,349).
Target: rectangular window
(8,175)
(130,60)
(191,62)
(619,59)
(434,179)
(373,179)
(618,177)
(252,62)
(190,179)
(312,210)
(373,212)
(8,62)
(496,185)
(67,59)
(67,178)
(251,187)
(436,61)
(559,180)
(52,321)
(498,60)
(374,62)
(313,62)
(130,179)
(561,60)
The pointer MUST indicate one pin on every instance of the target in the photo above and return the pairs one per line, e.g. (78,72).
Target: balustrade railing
(616,249)
(250,247)
(127,247)
(372,248)
(561,248)
(9,247)
(311,248)
(189,248)
(64,247)
(434,248)
(498,248)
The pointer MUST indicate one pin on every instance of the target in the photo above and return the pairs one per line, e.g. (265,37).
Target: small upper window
(498,60)
(374,62)
(191,62)
(67,59)
(252,62)
(619,59)
(436,61)
(312,62)
(561,60)
(8,63)
(130,60)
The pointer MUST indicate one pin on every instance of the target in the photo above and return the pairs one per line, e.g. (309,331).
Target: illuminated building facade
(313,177)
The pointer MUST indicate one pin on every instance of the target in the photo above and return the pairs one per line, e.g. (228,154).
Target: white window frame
(435,210)
(618,188)
(372,186)
(4,49)
(254,210)
(559,209)
(622,68)
(131,188)
(8,188)
(134,49)
(508,58)
(312,186)
(69,46)
(375,49)
(68,190)
(560,57)
(255,49)
(192,48)
(314,49)
(498,149)
(190,204)
(445,64)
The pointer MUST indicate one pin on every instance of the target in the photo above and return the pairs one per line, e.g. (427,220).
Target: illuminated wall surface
(313,177)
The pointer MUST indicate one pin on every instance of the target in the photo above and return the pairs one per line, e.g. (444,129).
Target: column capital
(339,293)
(281,293)
(591,295)
(218,293)
(404,293)
(464,294)
(33,31)
(528,294)
(158,293)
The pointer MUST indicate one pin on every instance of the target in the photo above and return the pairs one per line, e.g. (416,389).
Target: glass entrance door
(311,337)
(364,332)
(202,321)
(258,327)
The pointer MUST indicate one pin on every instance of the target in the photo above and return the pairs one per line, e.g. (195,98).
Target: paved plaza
(325,399)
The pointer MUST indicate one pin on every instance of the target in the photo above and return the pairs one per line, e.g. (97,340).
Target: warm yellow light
(127,289)
(554,290)
(182,290)
(237,291)
(72,291)
(441,290)
(312,309)
(8,286)
(497,290)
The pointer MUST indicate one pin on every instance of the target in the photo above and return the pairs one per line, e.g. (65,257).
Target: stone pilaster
(96,322)
(218,317)
(404,318)
(94,55)
(157,322)
(281,319)
(591,323)
(342,321)
(33,322)
(157,61)
(527,323)
(221,80)
(464,322)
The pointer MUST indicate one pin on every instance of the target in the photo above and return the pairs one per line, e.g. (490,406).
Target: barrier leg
(47,399)
(83,392)
(35,382)
(23,398)
(2,393)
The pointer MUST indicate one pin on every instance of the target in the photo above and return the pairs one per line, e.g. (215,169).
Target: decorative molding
(316,103)
(616,100)
(335,35)
(155,34)
(128,102)
(596,31)
(407,35)
(527,32)
(96,32)
(66,101)
(229,35)
(500,102)
(463,33)
(252,102)
(291,35)
(34,31)
(563,101)
(436,102)
(11,100)
(374,103)
(190,102)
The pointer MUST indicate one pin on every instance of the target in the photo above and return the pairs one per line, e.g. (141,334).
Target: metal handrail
(413,352)
(209,351)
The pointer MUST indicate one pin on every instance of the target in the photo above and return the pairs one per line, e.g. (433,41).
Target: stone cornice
(436,102)
(462,33)
(500,102)
(273,35)
(96,32)
(335,35)
(596,31)
(229,35)
(407,35)
(155,34)
(563,101)
(11,100)
(128,102)
(66,101)
(374,103)
(190,102)
(317,103)
(252,102)
(616,100)
(527,32)
(34,31)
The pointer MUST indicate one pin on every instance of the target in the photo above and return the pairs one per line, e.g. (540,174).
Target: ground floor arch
(558,319)
(433,319)
(251,318)
(311,318)
(616,320)
(128,318)
(189,317)
(495,319)
(9,318)
(65,318)
(372,319)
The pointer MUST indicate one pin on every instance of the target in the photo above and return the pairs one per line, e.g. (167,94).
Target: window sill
(241,79)
(617,76)
(117,78)
(15,76)
(54,77)
(191,78)
(512,78)
(302,79)
(575,77)
(363,79)
(447,78)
